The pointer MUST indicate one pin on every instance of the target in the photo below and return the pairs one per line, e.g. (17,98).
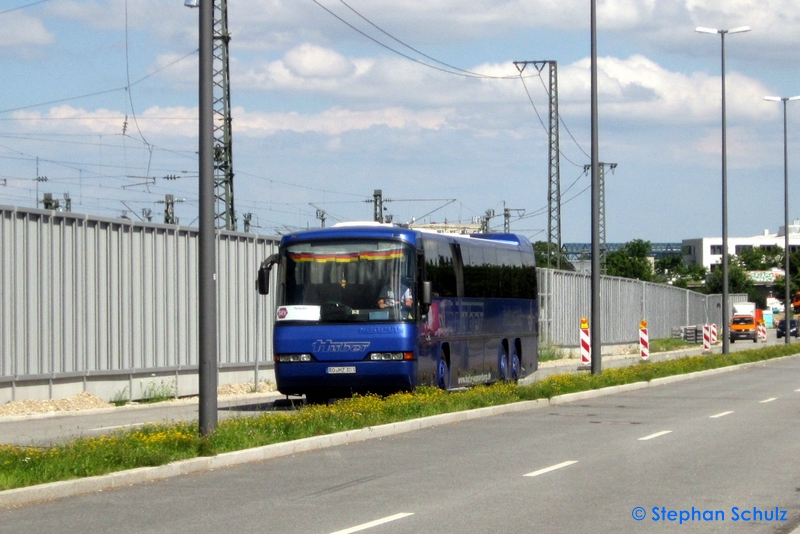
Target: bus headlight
(391,356)
(288,358)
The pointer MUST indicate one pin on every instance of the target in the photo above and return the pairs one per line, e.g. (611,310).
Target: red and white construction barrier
(644,341)
(706,338)
(762,332)
(713,333)
(586,343)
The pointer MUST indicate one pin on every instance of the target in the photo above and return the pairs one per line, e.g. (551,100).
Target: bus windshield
(347,281)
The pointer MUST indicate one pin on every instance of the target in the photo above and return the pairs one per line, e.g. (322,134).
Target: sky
(333,99)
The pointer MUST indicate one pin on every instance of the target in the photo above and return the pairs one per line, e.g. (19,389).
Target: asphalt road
(720,451)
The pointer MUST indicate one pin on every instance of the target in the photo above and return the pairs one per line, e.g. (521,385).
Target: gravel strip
(87,401)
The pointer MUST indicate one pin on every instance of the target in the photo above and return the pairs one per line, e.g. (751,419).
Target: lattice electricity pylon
(554,167)
(225,216)
(602,210)
(377,205)
(507,218)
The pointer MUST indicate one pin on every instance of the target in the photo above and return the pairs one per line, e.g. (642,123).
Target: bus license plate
(341,370)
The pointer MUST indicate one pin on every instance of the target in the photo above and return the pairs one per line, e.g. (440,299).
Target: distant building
(449,228)
(707,251)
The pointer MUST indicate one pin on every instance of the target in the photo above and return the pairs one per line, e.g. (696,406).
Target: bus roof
(370,229)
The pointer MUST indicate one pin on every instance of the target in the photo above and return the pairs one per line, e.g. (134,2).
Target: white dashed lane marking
(723,414)
(377,522)
(656,435)
(551,468)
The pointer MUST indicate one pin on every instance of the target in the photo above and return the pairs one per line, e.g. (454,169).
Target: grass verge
(550,353)
(666,345)
(160,444)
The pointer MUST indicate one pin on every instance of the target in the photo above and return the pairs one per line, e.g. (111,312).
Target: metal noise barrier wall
(565,297)
(84,296)
(93,298)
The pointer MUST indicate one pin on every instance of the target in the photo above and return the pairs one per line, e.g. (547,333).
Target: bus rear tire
(502,365)
(443,372)
(513,367)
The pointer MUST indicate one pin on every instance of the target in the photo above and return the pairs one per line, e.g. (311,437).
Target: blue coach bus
(372,307)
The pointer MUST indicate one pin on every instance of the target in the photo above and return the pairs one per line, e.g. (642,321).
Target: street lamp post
(596,339)
(725,326)
(206,250)
(787,299)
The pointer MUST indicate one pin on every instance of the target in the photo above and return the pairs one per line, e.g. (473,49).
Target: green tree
(696,273)
(632,260)
(672,269)
(794,278)
(759,259)
(738,282)
(668,267)
(773,257)
(540,249)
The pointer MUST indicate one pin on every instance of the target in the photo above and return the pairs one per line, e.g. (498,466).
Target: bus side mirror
(427,291)
(263,274)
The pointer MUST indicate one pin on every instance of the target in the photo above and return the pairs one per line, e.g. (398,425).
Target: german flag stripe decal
(347,258)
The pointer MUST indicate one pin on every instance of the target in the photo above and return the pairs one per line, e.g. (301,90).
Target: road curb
(70,488)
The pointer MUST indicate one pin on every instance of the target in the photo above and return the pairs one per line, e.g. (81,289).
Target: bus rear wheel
(502,366)
(513,366)
(443,372)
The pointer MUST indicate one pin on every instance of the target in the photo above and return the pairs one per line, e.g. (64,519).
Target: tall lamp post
(206,249)
(726,347)
(596,339)
(787,299)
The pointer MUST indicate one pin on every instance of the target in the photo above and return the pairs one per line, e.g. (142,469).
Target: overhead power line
(22,7)
(98,93)
(449,70)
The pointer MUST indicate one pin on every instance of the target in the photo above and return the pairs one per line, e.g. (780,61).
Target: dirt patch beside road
(87,401)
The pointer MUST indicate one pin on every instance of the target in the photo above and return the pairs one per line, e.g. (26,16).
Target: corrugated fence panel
(84,295)
(239,258)
(565,297)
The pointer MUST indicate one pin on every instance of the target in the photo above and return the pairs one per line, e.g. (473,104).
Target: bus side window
(528,279)
(439,267)
(511,272)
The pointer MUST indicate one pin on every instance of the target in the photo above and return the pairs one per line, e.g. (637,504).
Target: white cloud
(20,30)
(70,119)
(624,13)
(639,89)
(156,120)
(395,93)
(336,121)
(182,121)
(310,61)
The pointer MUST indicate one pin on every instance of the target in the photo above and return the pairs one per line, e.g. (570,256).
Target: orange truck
(745,321)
